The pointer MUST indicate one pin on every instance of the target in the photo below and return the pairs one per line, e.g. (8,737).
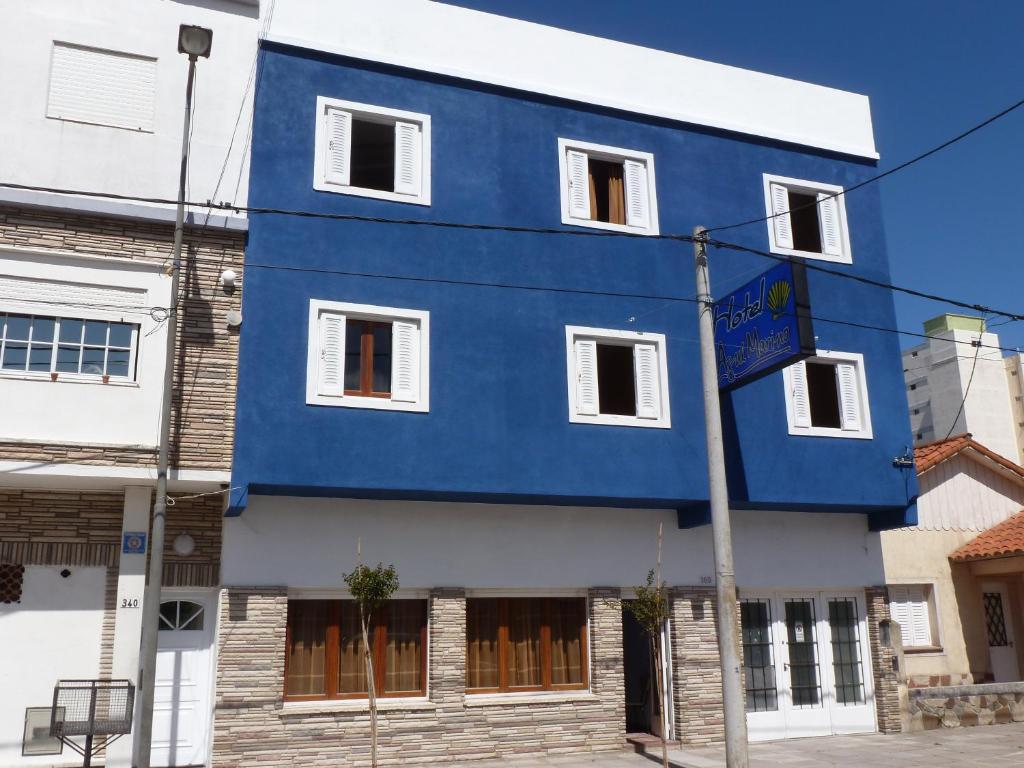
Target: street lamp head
(194,41)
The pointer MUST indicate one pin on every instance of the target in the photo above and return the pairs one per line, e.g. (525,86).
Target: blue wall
(498,426)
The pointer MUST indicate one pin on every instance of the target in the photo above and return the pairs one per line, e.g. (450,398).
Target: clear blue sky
(932,68)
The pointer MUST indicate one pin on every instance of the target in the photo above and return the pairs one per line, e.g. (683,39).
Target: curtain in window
(351,663)
(567,621)
(402,652)
(607,191)
(482,618)
(524,621)
(307,651)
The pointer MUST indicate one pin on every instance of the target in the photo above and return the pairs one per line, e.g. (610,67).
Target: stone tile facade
(886,677)
(965,706)
(697,678)
(252,725)
(202,423)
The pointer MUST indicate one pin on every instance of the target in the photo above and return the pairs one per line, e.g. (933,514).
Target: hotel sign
(763,326)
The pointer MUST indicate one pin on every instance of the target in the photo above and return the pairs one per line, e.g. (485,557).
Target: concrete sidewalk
(990,746)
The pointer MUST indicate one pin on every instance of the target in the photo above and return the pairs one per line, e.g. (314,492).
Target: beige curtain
(402,653)
(307,652)
(607,191)
(351,665)
(482,643)
(567,622)
(616,196)
(524,620)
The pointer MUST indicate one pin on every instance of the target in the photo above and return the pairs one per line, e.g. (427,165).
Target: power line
(521,230)
(880,176)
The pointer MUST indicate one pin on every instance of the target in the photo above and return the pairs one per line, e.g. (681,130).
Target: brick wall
(43,527)
(252,727)
(887,696)
(697,675)
(202,424)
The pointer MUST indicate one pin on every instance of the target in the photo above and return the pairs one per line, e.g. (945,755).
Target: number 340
(129,602)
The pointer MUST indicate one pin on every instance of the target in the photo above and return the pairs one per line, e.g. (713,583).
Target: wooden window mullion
(380,650)
(366,359)
(545,643)
(332,650)
(424,618)
(503,644)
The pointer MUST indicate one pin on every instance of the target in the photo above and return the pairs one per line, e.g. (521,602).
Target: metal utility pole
(194,41)
(725,576)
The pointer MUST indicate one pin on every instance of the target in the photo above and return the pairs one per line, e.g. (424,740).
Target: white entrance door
(999,627)
(181,710)
(806,665)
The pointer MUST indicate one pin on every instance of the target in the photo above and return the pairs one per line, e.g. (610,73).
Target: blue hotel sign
(763,326)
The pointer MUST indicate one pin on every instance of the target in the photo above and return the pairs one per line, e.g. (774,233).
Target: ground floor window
(526,643)
(324,658)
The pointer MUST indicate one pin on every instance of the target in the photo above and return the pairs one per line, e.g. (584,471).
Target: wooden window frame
(332,659)
(366,357)
(545,649)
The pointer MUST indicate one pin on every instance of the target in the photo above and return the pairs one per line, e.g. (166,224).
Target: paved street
(997,745)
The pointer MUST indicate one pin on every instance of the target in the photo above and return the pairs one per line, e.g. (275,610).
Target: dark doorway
(638,664)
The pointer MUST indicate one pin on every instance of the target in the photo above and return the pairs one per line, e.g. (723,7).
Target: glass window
(38,344)
(325,635)
(367,358)
(758,661)
(527,643)
(846,663)
(616,385)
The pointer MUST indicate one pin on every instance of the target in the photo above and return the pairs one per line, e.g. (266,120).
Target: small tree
(371,588)
(650,607)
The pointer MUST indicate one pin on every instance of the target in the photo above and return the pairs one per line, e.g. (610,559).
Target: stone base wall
(964,706)
(886,676)
(697,675)
(253,727)
(932,681)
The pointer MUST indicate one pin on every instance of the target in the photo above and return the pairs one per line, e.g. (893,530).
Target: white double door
(806,664)
(184,675)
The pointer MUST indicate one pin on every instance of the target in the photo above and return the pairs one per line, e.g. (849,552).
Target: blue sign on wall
(134,543)
(763,326)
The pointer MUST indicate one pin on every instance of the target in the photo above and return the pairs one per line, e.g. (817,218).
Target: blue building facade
(478,360)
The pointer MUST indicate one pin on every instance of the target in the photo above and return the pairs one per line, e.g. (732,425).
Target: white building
(958,381)
(93,96)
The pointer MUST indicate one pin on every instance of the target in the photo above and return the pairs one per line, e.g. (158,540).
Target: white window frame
(366,312)
(930,601)
(375,114)
(807,187)
(864,430)
(574,333)
(613,154)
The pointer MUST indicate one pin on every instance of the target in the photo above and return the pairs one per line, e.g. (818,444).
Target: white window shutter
(922,632)
(405,361)
(339,147)
(899,611)
(831,232)
(799,396)
(648,389)
(637,205)
(781,222)
(408,160)
(331,364)
(577,171)
(849,396)
(586,377)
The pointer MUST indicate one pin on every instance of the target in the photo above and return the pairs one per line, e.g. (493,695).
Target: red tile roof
(1001,540)
(929,455)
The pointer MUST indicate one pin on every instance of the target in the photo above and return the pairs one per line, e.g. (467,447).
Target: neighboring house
(93,101)
(958,381)
(954,579)
(508,417)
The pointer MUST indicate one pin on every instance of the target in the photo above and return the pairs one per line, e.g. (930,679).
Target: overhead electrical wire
(880,176)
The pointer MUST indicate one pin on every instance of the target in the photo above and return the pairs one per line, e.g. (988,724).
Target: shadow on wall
(972,621)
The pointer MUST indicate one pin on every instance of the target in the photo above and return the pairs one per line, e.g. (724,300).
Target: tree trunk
(662,709)
(371,690)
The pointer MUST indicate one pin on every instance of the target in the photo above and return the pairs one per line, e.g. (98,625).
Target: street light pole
(736,754)
(195,42)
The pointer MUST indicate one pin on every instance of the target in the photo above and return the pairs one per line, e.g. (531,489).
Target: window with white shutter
(364,356)
(912,607)
(607,187)
(827,396)
(372,151)
(617,377)
(807,219)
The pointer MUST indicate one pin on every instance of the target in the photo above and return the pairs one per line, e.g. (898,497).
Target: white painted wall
(33,408)
(58,153)
(494,49)
(962,494)
(309,542)
(53,633)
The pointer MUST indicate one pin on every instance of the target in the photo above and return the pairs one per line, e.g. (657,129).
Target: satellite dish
(233,318)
